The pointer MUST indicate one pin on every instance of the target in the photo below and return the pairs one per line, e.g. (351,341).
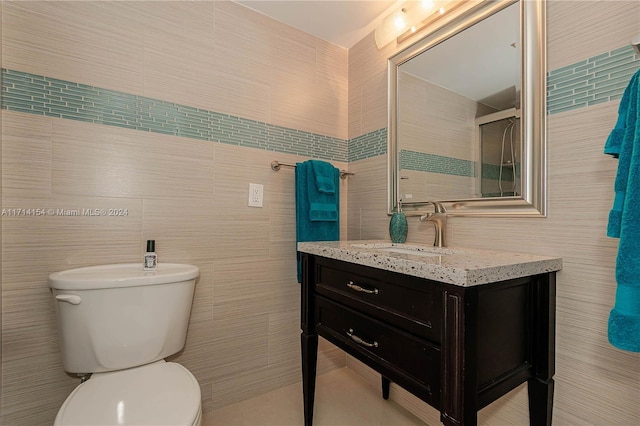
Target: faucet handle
(439,220)
(437,207)
(426,216)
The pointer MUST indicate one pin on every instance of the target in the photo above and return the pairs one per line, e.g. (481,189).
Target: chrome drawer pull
(359,341)
(356,287)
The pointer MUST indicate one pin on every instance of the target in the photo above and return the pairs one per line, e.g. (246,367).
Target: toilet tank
(113,317)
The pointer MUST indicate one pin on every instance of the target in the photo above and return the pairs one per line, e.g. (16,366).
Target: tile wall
(165,111)
(596,384)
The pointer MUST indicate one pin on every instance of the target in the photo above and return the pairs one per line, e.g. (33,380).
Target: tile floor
(343,398)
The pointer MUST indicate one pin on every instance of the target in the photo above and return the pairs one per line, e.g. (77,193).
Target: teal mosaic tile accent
(368,145)
(424,162)
(492,171)
(51,97)
(599,79)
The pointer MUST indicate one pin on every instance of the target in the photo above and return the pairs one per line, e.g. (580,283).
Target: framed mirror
(467,115)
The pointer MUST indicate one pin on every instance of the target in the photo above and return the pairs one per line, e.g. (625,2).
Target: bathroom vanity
(458,328)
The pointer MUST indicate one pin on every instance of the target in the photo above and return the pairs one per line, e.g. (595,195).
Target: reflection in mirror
(498,139)
(467,107)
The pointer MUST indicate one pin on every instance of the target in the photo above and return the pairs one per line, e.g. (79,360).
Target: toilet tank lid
(121,275)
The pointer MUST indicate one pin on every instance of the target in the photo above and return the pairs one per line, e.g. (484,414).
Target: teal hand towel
(323,174)
(317,208)
(624,220)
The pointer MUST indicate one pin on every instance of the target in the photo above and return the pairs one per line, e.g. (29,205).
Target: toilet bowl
(119,322)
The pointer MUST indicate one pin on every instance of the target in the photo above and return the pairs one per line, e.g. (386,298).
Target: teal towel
(624,220)
(317,203)
(324,175)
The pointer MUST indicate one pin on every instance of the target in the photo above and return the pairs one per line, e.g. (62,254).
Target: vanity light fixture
(391,27)
(410,17)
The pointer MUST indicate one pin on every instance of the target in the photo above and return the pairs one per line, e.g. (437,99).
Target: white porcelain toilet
(119,322)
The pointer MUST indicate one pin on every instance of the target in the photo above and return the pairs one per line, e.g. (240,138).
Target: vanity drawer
(415,362)
(410,303)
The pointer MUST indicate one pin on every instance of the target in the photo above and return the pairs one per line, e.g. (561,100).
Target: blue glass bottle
(398,226)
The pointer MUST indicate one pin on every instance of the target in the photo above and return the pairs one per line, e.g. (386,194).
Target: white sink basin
(415,250)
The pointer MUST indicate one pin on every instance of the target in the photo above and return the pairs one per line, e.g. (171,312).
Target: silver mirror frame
(533,102)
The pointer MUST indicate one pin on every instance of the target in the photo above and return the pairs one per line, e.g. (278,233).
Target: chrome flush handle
(356,287)
(359,340)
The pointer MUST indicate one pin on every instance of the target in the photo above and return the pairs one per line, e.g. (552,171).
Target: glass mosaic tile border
(601,78)
(369,145)
(425,162)
(52,97)
(492,172)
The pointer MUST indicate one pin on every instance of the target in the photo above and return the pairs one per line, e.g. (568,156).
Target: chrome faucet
(439,220)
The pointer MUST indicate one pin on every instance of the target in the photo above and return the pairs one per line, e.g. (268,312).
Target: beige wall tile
(38,386)
(374,103)
(179,63)
(35,246)
(240,343)
(579,30)
(238,387)
(202,308)
(243,287)
(435,186)
(332,63)
(93,43)
(368,200)
(183,228)
(275,73)
(305,94)
(355,111)
(368,82)
(196,355)
(450,124)
(92,159)
(26,154)
(284,337)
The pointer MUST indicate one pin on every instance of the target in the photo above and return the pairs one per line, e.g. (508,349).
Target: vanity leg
(309,359)
(540,401)
(541,386)
(385,387)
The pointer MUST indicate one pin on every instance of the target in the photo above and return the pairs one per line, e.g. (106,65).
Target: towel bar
(275,166)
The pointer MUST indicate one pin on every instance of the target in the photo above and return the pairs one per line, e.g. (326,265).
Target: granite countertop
(454,265)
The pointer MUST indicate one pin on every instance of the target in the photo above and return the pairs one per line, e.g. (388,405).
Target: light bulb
(427,4)
(399,20)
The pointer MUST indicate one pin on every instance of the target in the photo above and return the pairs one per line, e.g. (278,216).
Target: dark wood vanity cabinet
(457,348)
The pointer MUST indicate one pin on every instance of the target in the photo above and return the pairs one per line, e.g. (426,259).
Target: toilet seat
(162,393)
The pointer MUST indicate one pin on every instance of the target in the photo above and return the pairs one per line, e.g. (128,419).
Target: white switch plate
(256,192)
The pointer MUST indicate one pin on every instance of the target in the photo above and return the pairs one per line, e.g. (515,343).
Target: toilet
(118,323)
